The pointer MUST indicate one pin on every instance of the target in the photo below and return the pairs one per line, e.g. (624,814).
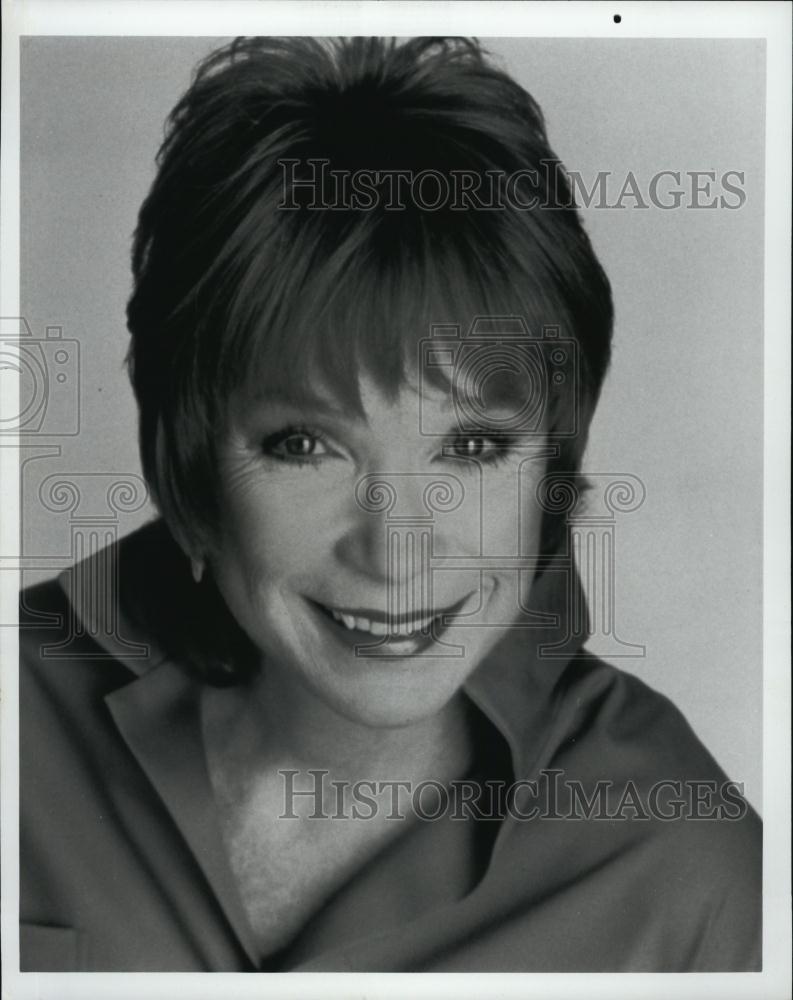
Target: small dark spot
(617,18)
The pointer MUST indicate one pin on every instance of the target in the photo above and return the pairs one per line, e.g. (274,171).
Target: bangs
(369,304)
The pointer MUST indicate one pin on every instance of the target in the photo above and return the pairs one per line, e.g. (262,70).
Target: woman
(337,721)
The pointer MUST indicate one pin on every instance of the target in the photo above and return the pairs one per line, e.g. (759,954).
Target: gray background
(682,407)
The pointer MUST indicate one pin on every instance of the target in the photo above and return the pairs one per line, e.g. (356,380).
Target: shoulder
(635,728)
(65,727)
(57,653)
(80,638)
(625,758)
(610,727)
(118,609)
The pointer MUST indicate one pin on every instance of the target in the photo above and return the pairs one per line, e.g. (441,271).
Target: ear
(197,568)
(196,546)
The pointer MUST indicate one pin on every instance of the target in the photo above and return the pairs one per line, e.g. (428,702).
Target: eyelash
(503,446)
(279,437)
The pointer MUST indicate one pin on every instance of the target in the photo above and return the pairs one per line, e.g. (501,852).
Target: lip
(383,619)
(401,645)
(378,617)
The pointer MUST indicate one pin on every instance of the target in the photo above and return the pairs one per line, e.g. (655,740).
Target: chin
(392,709)
(387,693)
(377,691)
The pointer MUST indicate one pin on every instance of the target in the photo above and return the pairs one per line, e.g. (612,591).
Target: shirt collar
(515,685)
(158,712)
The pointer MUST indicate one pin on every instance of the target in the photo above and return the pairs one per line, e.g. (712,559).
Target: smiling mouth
(396,627)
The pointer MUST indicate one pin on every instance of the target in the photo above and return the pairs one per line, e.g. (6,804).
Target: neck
(279,723)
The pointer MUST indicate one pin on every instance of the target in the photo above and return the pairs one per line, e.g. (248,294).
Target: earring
(197,569)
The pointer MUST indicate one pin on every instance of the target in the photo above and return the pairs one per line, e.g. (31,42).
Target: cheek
(278,529)
(511,515)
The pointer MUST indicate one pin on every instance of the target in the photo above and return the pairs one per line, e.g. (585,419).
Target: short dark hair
(228,282)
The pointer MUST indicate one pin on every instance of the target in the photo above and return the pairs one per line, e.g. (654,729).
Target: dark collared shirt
(123,866)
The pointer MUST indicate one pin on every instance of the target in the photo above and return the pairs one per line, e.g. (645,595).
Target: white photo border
(771,21)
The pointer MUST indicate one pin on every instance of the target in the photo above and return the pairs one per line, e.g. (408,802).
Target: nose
(393,521)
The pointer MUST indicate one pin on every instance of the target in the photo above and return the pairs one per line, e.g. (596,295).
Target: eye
(469,445)
(295,444)
(477,445)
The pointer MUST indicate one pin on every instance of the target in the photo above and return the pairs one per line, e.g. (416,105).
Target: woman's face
(345,540)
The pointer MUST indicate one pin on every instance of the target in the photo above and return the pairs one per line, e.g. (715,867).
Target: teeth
(380,629)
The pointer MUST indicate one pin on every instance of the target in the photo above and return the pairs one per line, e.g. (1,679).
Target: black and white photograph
(396,453)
